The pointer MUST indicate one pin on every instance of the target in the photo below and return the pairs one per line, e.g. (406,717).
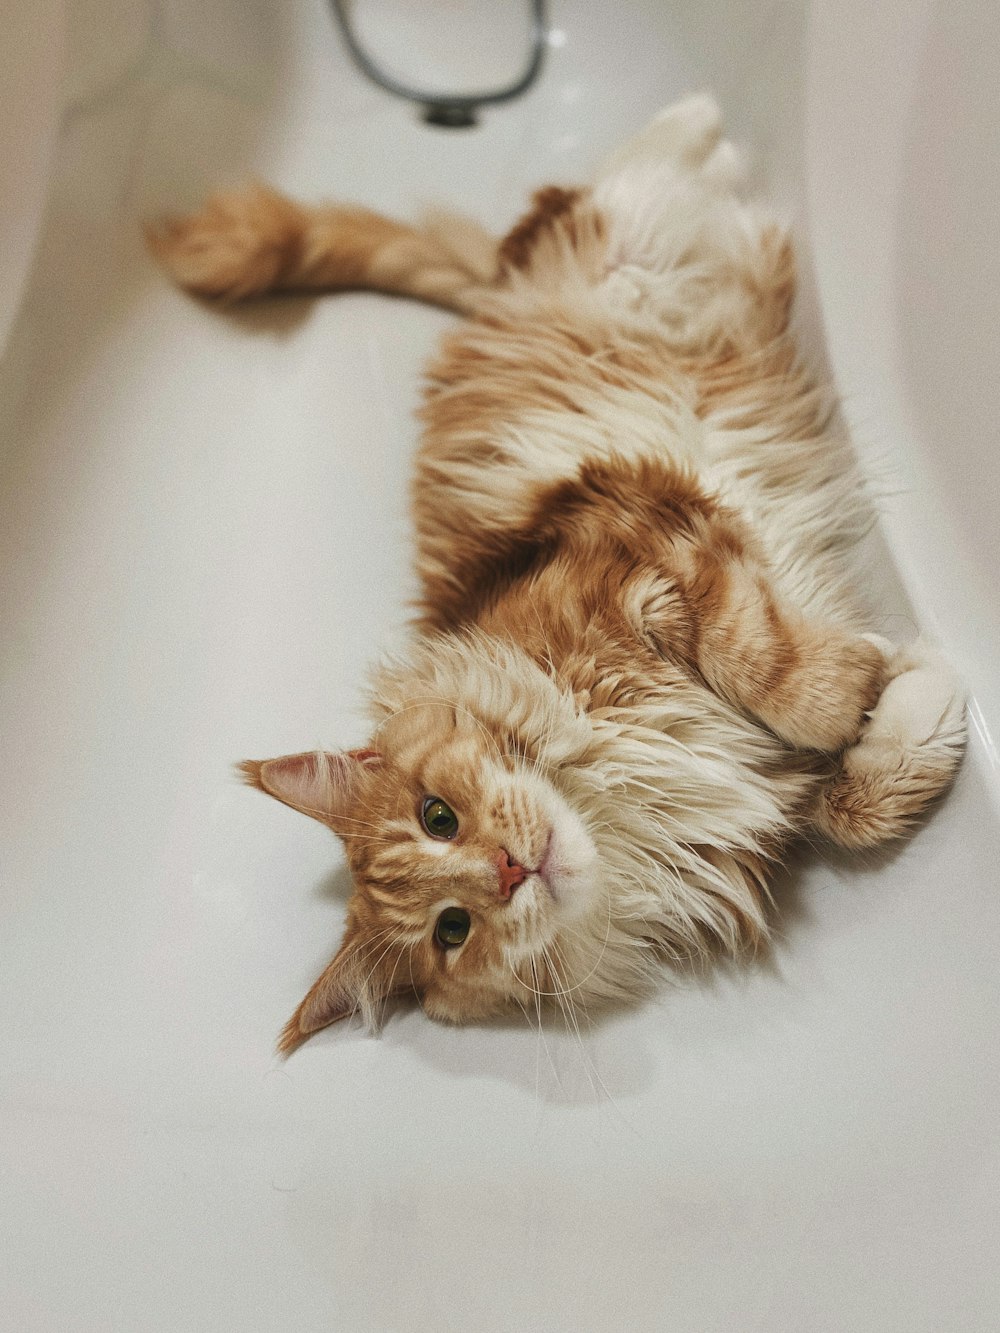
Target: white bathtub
(202,543)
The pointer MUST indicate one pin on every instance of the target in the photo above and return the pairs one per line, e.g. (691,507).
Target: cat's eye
(438,819)
(452,927)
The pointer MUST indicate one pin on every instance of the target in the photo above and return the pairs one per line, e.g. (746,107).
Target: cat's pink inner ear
(330,998)
(316,783)
(345,987)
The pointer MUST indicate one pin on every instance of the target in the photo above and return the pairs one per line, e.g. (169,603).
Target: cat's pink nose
(511,874)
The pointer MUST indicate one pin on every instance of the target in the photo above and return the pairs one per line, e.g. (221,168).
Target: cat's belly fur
(550,397)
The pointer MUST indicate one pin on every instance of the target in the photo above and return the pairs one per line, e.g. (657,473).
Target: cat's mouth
(546,867)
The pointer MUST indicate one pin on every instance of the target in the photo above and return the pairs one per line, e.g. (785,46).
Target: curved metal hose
(457,109)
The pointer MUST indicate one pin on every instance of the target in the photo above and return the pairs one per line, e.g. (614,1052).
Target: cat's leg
(809,681)
(680,243)
(251,242)
(907,755)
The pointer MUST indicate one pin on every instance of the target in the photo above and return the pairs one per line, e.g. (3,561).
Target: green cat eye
(452,927)
(438,819)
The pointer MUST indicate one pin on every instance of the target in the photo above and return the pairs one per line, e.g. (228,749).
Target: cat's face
(469,867)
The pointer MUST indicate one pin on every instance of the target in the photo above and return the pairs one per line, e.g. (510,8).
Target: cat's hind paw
(686,136)
(687,131)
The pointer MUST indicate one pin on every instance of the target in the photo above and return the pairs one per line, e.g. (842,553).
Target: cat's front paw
(238,245)
(824,700)
(922,705)
(907,755)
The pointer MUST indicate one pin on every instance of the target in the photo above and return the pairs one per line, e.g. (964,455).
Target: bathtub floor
(204,540)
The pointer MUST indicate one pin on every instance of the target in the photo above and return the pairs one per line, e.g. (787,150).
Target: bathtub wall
(902,152)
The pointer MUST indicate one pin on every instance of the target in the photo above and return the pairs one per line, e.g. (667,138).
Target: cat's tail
(662,229)
(257,241)
(907,755)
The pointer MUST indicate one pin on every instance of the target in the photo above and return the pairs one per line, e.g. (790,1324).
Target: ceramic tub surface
(204,541)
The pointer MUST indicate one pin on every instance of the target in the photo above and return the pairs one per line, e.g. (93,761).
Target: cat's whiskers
(536,991)
(396,933)
(569,930)
(590,1064)
(567,1006)
(538,1011)
(392,978)
(539,1044)
(363,951)
(381,834)
(368,944)
(413,984)
(363,823)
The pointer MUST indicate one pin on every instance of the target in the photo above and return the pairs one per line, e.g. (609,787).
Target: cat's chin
(568,874)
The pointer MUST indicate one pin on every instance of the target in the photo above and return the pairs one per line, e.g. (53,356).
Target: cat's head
(472,873)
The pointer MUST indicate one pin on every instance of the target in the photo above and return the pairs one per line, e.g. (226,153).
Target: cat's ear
(350,984)
(316,783)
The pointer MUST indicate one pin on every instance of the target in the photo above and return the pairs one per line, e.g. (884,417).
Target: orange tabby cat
(637,673)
